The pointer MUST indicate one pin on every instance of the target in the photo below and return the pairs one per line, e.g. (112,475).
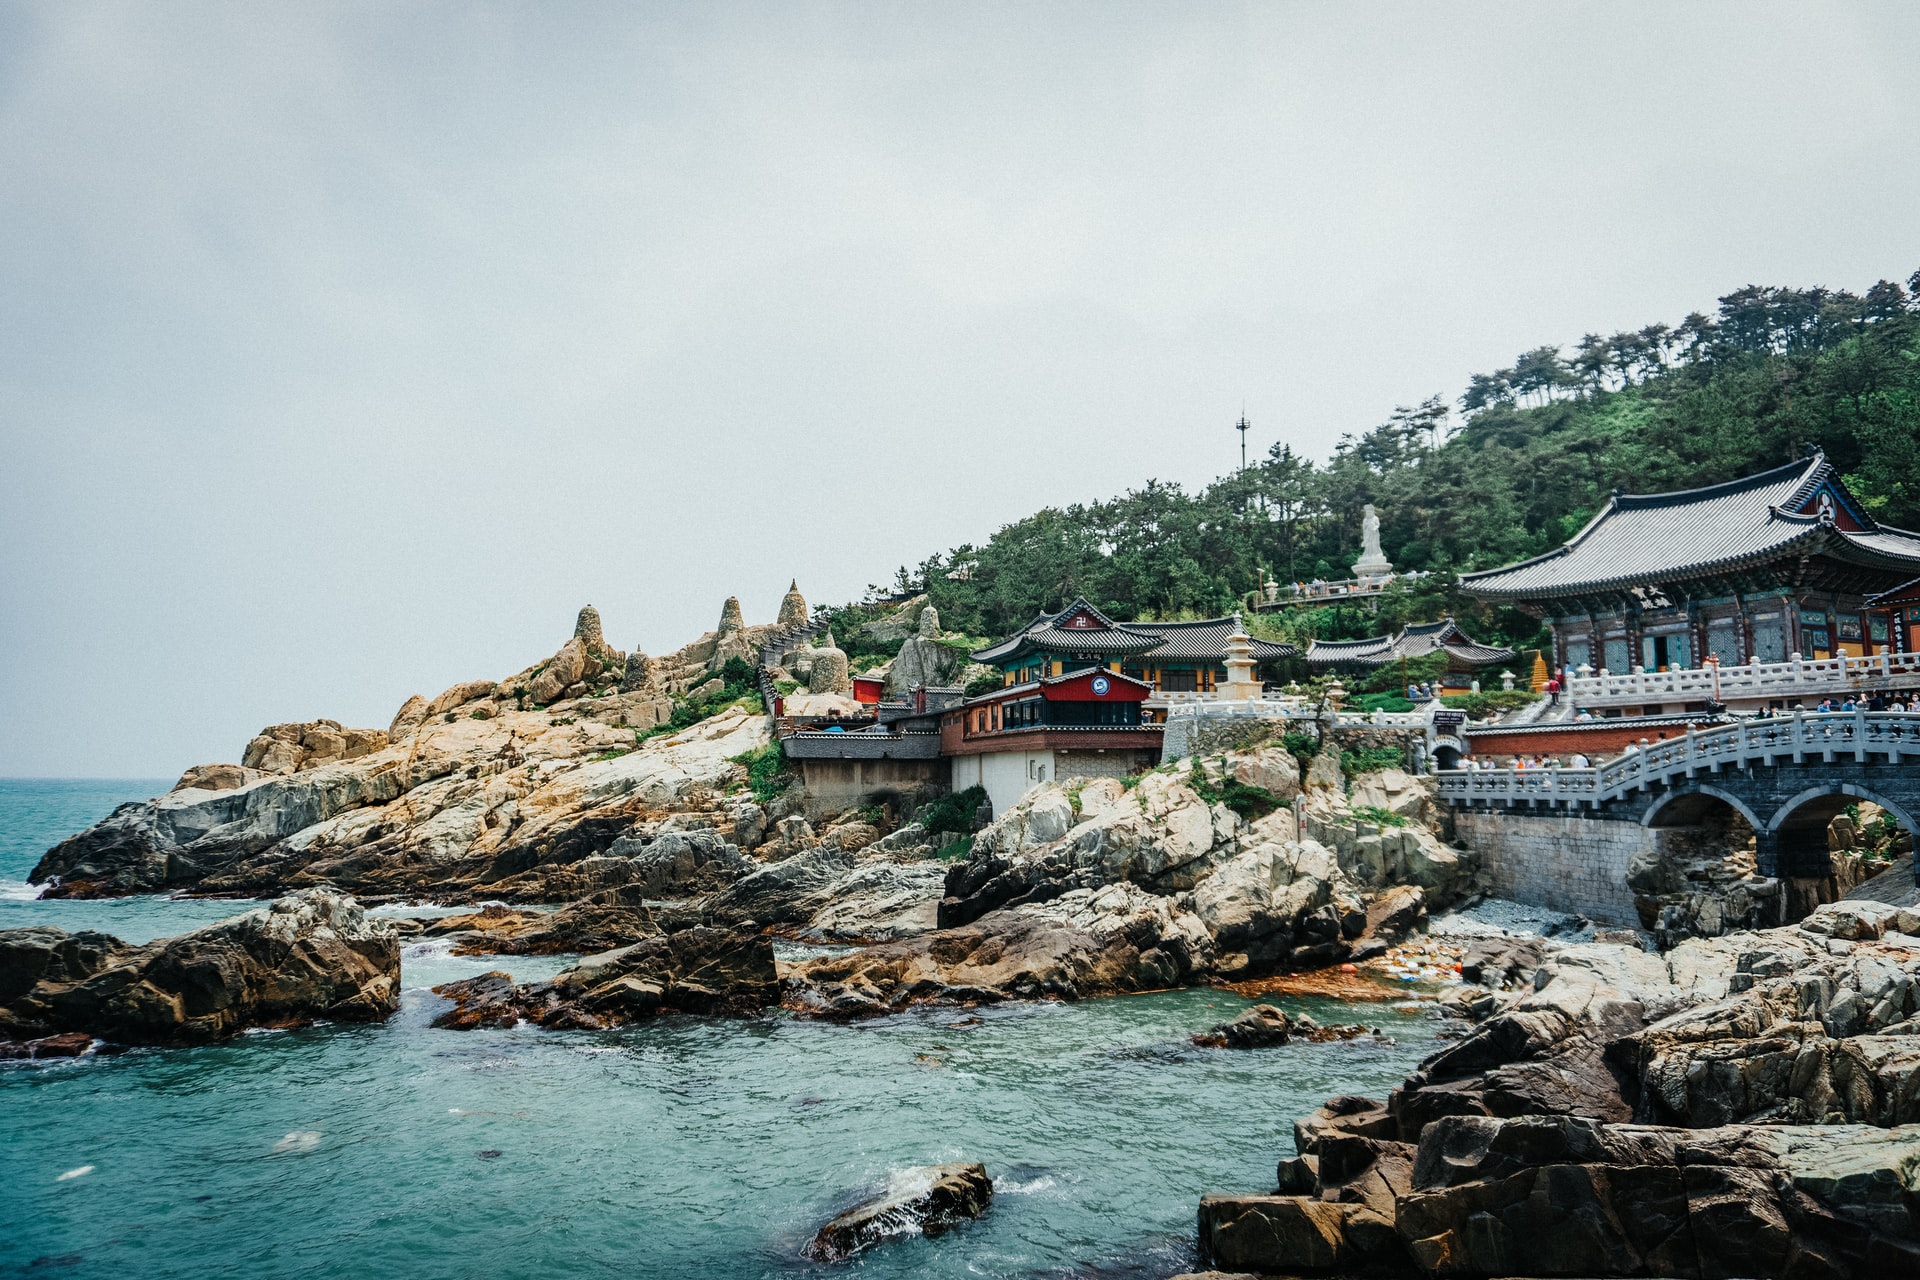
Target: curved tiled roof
(1198,641)
(1165,641)
(1415,640)
(1647,538)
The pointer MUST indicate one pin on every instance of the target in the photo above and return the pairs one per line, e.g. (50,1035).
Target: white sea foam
(81,1172)
(1031,1187)
(19,891)
(298,1140)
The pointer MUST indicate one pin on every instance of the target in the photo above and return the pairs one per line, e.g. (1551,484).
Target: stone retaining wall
(1566,864)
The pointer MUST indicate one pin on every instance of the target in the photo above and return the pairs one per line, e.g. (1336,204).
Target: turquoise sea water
(682,1148)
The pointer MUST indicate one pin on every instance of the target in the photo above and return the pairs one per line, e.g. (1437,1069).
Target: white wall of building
(1006,775)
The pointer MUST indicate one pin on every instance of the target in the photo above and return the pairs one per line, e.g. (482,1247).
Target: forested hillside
(1528,455)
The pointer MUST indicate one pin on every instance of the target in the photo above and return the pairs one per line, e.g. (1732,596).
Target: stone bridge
(1566,837)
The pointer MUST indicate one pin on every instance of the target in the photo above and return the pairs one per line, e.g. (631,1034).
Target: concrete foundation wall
(1567,864)
(1006,775)
(834,785)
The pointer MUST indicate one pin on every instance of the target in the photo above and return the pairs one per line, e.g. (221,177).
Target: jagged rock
(731,619)
(608,919)
(927,1200)
(411,715)
(1271,769)
(1257,1028)
(637,673)
(787,892)
(561,672)
(460,695)
(457,807)
(749,824)
(217,777)
(1323,772)
(309,955)
(880,901)
(692,970)
(679,864)
(1080,944)
(921,661)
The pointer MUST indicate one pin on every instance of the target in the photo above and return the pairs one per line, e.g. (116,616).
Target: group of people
(1577,760)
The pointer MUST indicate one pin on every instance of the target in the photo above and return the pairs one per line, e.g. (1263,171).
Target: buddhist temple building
(1781,567)
(1086,723)
(1169,657)
(1466,657)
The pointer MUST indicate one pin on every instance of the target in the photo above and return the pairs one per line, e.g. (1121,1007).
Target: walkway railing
(1795,678)
(1828,737)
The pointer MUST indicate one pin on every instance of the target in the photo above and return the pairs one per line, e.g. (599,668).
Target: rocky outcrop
(217,777)
(1569,1196)
(1743,1105)
(923,1201)
(313,954)
(455,807)
(608,919)
(693,970)
(287,748)
(793,608)
(922,661)
(1082,943)
(1257,1028)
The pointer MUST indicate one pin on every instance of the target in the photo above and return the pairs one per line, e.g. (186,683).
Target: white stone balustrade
(1795,678)
(1825,736)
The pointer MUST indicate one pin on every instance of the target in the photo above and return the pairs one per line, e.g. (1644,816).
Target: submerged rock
(923,1201)
(1257,1028)
(309,955)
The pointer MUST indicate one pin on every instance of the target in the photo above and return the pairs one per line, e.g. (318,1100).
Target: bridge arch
(1690,803)
(1800,811)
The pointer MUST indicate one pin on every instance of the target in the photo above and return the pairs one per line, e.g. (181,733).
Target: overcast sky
(346,350)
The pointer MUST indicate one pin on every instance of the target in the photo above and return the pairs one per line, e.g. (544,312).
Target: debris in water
(298,1140)
(490,1154)
(81,1172)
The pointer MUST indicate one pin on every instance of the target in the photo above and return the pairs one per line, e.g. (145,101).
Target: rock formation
(692,970)
(1743,1105)
(288,748)
(927,1201)
(458,806)
(829,671)
(793,608)
(309,955)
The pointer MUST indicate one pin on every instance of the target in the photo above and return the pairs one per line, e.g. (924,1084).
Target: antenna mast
(1241,426)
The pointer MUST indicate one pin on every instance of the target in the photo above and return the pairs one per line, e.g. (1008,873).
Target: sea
(686,1147)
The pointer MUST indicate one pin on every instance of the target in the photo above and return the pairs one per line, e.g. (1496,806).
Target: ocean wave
(18,891)
(1031,1187)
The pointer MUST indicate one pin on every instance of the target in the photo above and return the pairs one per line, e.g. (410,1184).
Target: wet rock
(312,954)
(612,918)
(68,1044)
(1079,945)
(880,901)
(691,970)
(924,1201)
(1257,1028)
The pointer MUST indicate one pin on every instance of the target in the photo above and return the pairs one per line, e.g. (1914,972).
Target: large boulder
(608,919)
(309,955)
(922,661)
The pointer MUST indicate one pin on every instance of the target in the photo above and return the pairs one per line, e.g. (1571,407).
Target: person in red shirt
(1553,691)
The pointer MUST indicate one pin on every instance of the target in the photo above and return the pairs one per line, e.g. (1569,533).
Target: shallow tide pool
(685,1147)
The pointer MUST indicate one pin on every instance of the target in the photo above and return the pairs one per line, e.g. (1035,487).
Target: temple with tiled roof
(1416,640)
(1173,657)
(1784,562)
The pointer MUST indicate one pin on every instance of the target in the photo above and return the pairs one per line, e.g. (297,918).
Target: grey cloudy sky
(345,350)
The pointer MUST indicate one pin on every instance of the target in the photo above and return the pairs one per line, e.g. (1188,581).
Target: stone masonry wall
(1566,864)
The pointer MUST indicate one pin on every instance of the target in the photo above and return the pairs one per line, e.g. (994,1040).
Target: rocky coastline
(1744,1105)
